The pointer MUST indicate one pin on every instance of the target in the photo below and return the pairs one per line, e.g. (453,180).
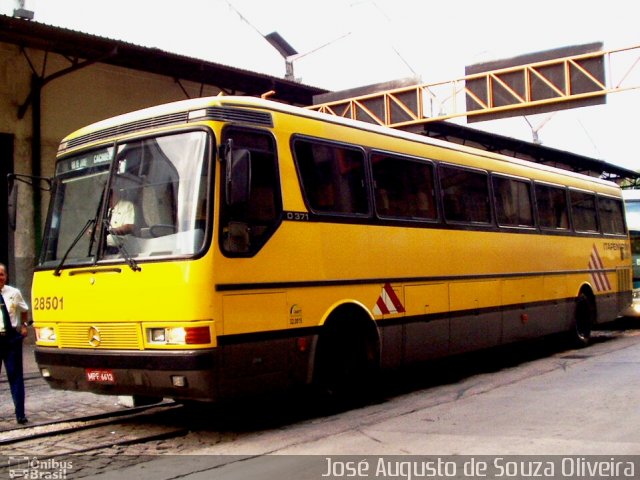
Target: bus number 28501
(48,303)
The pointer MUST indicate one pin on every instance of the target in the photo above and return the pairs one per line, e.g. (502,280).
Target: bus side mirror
(41,183)
(238,178)
(12,201)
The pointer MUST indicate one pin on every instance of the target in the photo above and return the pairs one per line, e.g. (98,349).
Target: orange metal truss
(415,104)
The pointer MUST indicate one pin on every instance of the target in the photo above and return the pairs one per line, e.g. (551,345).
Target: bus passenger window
(513,202)
(332,177)
(583,211)
(465,195)
(611,215)
(403,187)
(552,207)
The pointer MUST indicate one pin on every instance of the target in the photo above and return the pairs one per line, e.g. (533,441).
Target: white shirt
(15,305)
(122,213)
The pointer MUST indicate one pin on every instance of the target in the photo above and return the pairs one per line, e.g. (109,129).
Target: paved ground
(44,404)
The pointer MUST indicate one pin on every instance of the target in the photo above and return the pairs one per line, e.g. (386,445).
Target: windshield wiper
(120,246)
(58,269)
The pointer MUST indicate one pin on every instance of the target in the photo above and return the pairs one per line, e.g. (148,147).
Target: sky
(349,43)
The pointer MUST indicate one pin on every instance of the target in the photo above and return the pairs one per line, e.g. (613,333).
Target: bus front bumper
(184,374)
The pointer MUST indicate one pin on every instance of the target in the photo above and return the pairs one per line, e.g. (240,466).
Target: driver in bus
(121,216)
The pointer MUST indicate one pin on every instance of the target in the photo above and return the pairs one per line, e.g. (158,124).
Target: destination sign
(86,161)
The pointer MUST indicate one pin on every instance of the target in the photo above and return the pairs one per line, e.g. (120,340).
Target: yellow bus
(223,246)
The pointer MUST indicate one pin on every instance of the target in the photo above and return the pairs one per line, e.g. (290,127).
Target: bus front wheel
(347,365)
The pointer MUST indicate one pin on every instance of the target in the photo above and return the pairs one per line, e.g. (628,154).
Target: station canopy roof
(77,45)
(528,151)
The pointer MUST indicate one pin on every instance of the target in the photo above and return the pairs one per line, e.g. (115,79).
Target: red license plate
(100,375)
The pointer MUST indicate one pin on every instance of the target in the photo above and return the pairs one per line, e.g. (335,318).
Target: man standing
(13,329)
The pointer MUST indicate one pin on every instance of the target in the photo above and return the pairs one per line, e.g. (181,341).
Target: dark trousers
(11,356)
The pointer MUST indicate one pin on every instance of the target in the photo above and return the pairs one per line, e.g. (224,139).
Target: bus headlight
(179,335)
(45,334)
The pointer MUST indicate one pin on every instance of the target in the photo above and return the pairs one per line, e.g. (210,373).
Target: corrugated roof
(530,151)
(74,44)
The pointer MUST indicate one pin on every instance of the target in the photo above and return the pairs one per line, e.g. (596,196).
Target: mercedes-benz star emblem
(94,336)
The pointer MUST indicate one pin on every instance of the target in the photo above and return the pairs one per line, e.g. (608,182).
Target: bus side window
(513,202)
(583,210)
(552,207)
(246,227)
(403,187)
(332,177)
(465,195)
(611,213)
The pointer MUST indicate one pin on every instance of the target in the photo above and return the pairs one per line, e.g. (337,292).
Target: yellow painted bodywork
(314,266)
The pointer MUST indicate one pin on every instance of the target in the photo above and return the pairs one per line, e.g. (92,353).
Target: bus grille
(624,279)
(118,336)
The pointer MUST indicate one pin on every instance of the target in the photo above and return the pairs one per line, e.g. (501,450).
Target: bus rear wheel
(583,319)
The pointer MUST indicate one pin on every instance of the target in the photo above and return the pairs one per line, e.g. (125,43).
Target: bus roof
(190,106)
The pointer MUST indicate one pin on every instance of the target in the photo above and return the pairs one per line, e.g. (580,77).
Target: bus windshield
(151,203)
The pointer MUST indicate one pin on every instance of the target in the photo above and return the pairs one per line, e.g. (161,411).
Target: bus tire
(347,362)
(583,319)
